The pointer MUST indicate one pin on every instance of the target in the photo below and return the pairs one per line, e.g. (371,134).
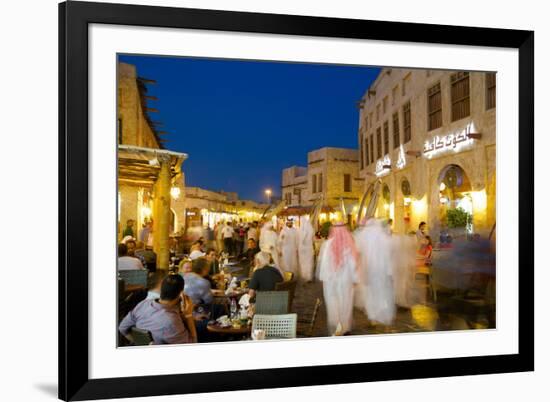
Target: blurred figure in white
(404,266)
(288,248)
(305,250)
(375,273)
(338,263)
(268,242)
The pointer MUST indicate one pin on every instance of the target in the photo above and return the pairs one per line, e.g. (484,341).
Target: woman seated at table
(265,276)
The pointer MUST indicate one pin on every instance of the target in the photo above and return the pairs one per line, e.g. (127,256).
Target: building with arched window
(429,137)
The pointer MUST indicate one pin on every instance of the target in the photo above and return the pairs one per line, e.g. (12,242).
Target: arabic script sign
(452,142)
(380,169)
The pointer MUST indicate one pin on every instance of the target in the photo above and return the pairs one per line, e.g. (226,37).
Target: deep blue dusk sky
(242,122)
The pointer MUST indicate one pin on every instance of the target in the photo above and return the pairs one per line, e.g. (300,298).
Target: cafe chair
(272,302)
(289,286)
(141,337)
(134,277)
(309,324)
(276,326)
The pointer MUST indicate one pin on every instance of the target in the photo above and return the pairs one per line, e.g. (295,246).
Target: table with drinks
(228,292)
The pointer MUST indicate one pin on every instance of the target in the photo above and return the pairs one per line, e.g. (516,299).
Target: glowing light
(386,206)
(323,216)
(146,211)
(420,206)
(443,200)
(175,192)
(479,199)
(407,201)
(442,186)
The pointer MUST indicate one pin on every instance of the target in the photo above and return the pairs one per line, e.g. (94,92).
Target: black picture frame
(74,18)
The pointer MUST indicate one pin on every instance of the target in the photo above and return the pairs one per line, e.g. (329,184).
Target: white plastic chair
(276,326)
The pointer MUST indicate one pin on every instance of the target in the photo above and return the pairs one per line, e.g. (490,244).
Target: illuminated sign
(401,161)
(382,166)
(451,142)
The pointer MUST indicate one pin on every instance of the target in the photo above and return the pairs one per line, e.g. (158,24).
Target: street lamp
(268,195)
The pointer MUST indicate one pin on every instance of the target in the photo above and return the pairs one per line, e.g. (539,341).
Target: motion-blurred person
(306,250)
(268,242)
(288,248)
(338,261)
(227,234)
(375,272)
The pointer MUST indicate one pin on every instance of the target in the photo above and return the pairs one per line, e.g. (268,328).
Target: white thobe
(305,250)
(338,288)
(375,293)
(268,244)
(288,249)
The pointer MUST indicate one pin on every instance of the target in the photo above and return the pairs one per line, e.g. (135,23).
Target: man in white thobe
(268,242)
(338,271)
(288,248)
(305,250)
(375,287)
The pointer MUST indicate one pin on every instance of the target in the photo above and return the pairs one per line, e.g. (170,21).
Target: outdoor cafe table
(242,331)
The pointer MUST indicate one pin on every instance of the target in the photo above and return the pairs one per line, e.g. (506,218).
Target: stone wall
(477,157)
(131,119)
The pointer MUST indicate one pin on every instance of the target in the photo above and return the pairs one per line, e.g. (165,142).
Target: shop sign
(451,142)
(382,166)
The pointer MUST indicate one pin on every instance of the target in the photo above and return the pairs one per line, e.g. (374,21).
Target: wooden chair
(310,323)
(274,302)
(141,337)
(289,286)
(425,272)
(276,326)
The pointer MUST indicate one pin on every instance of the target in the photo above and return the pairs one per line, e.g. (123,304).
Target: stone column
(162,214)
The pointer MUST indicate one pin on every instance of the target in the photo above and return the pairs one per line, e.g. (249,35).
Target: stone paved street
(449,313)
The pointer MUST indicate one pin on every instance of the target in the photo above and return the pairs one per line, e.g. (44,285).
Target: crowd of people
(371,269)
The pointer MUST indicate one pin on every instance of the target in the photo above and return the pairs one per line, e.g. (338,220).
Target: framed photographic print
(258,201)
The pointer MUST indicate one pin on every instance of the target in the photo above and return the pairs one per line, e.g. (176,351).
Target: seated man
(265,277)
(197,287)
(248,256)
(196,251)
(169,319)
(212,259)
(126,262)
(147,256)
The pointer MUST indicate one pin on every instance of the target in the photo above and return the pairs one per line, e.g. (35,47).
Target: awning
(139,166)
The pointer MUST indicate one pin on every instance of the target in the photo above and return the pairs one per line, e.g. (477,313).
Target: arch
(454,191)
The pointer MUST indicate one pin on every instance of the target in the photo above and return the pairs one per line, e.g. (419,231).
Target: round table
(242,332)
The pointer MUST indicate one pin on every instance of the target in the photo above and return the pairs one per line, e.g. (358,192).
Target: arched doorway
(456,206)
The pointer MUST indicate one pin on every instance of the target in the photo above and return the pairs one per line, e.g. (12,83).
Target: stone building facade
(207,208)
(295,190)
(134,124)
(332,174)
(429,136)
